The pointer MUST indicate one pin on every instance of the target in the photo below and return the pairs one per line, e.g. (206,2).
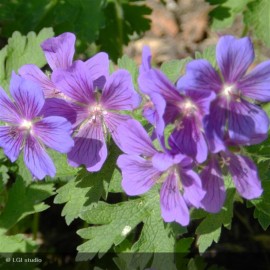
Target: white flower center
(96,113)
(228,90)
(189,107)
(26,124)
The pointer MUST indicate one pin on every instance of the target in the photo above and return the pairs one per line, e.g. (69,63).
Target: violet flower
(143,166)
(232,118)
(27,129)
(97,110)
(183,108)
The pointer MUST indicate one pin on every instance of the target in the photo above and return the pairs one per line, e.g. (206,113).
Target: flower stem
(35,225)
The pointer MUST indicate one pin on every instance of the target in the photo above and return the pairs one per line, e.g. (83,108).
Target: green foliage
(208,54)
(22,50)
(257,18)
(210,228)
(24,201)
(85,191)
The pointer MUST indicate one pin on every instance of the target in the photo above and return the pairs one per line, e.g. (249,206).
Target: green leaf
(173,69)
(224,14)
(210,228)
(257,18)
(24,201)
(22,50)
(209,54)
(85,191)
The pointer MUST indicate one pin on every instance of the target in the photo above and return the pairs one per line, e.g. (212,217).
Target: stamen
(26,124)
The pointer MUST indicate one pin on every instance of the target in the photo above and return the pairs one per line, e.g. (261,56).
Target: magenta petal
(75,82)
(245,176)
(28,96)
(200,76)
(55,132)
(59,51)
(256,84)
(90,148)
(139,175)
(134,139)
(98,69)
(37,160)
(119,93)
(234,56)
(247,123)
(11,140)
(213,184)
(8,111)
(34,74)
(189,139)
(173,205)
(193,191)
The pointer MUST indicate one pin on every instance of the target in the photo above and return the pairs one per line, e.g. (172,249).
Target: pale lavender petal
(28,96)
(256,84)
(59,51)
(119,93)
(247,123)
(162,161)
(11,140)
(75,82)
(200,76)
(189,139)
(90,148)
(213,184)
(245,176)
(37,160)
(55,132)
(98,69)
(234,56)
(138,174)
(34,73)
(113,121)
(9,112)
(134,139)
(173,205)
(146,60)
(193,191)
(59,107)
(155,82)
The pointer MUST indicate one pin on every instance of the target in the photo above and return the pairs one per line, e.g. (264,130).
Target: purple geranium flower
(59,52)
(143,166)
(233,118)
(244,174)
(27,129)
(97,110)
(182,107)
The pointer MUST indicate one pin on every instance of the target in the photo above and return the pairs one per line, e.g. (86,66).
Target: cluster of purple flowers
(75,108)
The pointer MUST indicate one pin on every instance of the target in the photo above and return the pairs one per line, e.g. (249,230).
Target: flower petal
(189,139)
(193,191)
(213,184)
(55,132)
(11,140)
(9,112)
(173,206)
(200,76)
(146,59)
(134,139)
(90,148)
(34,74)
(256,84)
(75,82)
(139,175)
(118,92)
(59,51)
(234,56)
(98,69)
(245,176)
(247,123)
(28,96)
(37,160)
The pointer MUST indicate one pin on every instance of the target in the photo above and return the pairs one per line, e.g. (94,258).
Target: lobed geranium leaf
(23,201)
(210,228)
(86,190)
(22,50)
